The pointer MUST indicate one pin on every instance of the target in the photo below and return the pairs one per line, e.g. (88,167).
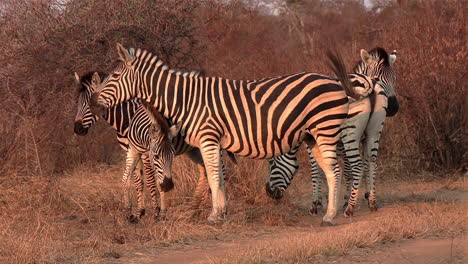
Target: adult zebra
(256,119)
(365,121)
(119,118)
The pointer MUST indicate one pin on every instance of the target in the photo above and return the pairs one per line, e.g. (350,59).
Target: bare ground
(422,247)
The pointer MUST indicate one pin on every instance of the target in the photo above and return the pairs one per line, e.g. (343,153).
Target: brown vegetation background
(44,42)
(59,193)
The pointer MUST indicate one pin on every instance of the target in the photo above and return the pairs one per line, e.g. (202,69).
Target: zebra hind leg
(316,174)
(325,154)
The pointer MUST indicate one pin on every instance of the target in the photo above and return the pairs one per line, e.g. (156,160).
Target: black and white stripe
(119,118)
(256,119)
(365,122)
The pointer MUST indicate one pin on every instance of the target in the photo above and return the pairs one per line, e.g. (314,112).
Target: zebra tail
(336,64)
(232,157)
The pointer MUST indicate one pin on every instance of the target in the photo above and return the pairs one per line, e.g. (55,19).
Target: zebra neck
(172,93)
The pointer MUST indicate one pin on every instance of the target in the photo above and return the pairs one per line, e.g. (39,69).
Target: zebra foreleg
(211,157)
(138,180)
(132,158)
(154,188)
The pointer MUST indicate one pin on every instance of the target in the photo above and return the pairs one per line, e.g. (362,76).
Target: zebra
(282,169)
(149,134)
(257,119)
(365,121)
(119,118)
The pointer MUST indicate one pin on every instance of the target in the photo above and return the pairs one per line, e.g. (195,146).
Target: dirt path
(414,251)
(422,250)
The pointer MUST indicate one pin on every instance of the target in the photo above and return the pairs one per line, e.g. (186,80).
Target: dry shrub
(44,42)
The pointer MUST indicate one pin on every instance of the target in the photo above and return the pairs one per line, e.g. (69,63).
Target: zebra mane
(143,54)
(378,53)
(86,79)
(155,116)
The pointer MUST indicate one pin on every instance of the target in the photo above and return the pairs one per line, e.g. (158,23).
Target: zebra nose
(275,193)
(393,106)
(79,129)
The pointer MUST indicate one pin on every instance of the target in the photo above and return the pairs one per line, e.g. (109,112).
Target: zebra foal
(119,118)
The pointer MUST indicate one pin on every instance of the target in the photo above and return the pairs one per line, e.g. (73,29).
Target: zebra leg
(325,154)
(211,156)
(132,158)
(138,182)
(154,188)
(316,183)
(353,129)
(371,148)
(348,178)
(201,190)
(281,171)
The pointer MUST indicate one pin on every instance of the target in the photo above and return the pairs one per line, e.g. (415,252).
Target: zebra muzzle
(274,193)
(79,129)
(393,106)
(167,184)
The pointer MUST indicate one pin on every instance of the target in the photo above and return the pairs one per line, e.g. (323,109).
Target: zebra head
(120,85)
(161,149)
(377,63)
(84,119)
(281,172)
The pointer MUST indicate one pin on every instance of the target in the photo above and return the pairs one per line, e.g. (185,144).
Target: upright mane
(377,53)
(157,116)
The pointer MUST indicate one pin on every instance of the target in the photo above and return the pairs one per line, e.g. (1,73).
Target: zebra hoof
(133,219)
(345,205)
(373,207)
(141,213)
(313,210)
(366,195)
(315,207)
(162,215)
(348,212)
(326,223)
(167,184)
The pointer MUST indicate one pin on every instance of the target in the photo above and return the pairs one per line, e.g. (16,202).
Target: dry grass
(44,42)
(77,217)
(60,195)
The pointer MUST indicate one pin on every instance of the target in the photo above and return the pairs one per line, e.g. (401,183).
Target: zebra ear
(96,80)
(124,55)
(154,130)
(366,57)
(174,130)
(77,78)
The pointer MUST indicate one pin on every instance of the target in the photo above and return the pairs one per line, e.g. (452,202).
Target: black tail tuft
(337,65)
